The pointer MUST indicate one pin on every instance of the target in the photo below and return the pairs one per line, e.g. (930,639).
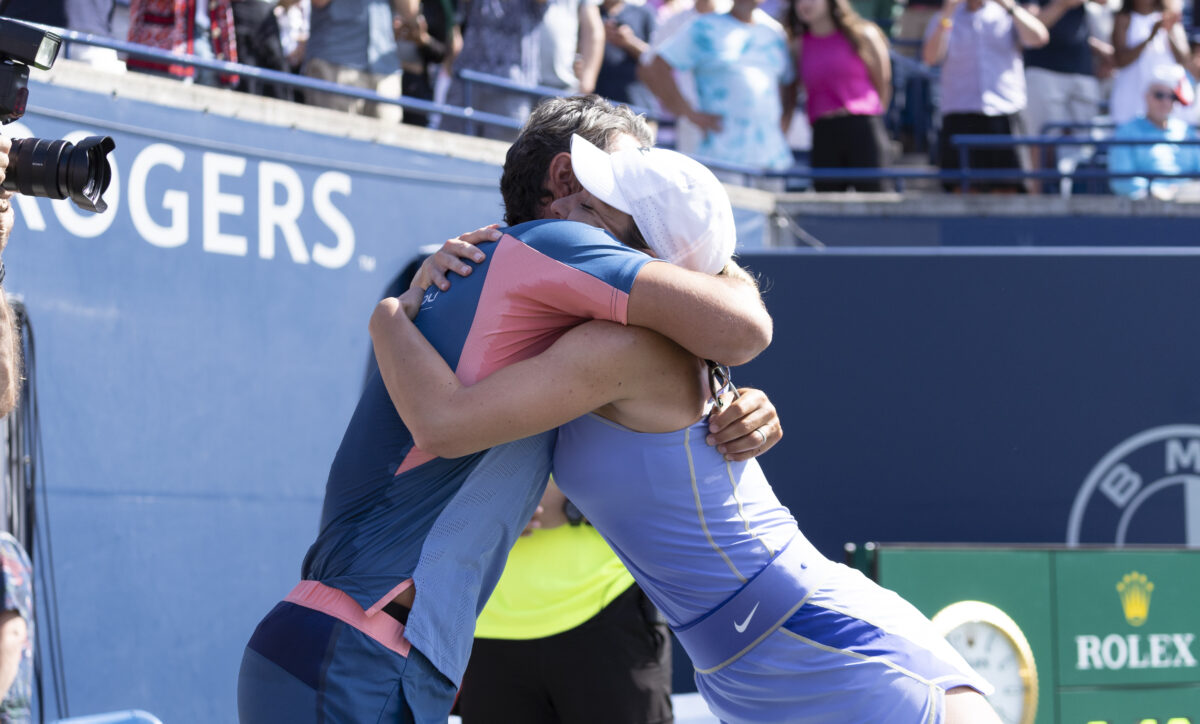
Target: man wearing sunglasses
(1167,86)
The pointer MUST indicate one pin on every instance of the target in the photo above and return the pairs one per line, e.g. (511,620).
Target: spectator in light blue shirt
(741,63)
(1165,88)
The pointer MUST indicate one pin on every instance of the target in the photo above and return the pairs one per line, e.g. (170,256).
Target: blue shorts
(303,665)
(853,652)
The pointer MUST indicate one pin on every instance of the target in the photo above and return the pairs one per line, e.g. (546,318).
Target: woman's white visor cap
(679,206)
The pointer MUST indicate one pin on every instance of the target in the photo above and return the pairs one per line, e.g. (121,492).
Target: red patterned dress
(171,25)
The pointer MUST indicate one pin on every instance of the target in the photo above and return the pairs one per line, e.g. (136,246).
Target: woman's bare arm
(879,63)
(590,366)
(1124,54)
(714,317)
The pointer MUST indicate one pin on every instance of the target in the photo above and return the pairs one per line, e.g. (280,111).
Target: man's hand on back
(451,257)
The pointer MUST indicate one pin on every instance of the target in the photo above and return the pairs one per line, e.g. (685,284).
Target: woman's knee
(964,705)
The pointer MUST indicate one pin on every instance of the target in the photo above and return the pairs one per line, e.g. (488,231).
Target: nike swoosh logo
(741,627)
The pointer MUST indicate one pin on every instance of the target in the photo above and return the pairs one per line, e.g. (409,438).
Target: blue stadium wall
(195,375)
(1015,395)
(201,345)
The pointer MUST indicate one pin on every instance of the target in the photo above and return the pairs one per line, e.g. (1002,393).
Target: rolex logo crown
(1135,590)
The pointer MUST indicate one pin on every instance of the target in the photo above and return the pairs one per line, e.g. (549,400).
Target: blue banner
(200,348)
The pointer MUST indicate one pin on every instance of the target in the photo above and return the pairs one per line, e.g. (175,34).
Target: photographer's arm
(10,342)
(406,10)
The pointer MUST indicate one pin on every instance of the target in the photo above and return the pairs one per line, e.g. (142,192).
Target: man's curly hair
(548,133)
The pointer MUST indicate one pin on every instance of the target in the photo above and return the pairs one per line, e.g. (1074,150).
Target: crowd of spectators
(741,84)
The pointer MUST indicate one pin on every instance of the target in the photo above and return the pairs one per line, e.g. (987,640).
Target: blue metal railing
(131,716)
(965,142)
(913,81)
(1090,127)
(470,78)
(275,76)
(292,80)
(964,176)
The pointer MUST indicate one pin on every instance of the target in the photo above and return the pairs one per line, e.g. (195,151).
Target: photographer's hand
(7,217)
(6,212)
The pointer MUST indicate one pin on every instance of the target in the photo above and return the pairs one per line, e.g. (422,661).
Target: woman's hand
(450,258)
(549,513)
(745,427)
(705,121)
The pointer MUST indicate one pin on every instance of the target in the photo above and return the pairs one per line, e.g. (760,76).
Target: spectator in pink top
(843,63)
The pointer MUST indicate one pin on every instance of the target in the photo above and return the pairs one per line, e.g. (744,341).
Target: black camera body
(14,93)
(38,167)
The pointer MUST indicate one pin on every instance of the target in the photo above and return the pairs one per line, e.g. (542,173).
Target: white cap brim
(679,206)
(594,169)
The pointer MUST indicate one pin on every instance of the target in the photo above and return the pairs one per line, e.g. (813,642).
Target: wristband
(947,23)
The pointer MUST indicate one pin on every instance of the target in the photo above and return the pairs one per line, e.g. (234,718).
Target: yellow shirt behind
(554,580)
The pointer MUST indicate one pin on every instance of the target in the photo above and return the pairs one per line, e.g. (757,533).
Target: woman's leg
(827,152)
(964,705)
(949,157)
(1008,158)
(867,148)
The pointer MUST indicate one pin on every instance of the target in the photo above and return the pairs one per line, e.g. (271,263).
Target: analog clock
(994,645)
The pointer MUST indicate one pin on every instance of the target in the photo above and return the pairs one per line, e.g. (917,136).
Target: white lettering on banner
(1113,652)
(280,205)
(1137,660)
(1154,462)
(174,200)
(338,256)
(1164,651)
(86,224)
(216,165)
(1121,484)
(1158,650)
(1087,649)
(285,216)
(1179,456)
(30,212)
(1183,650)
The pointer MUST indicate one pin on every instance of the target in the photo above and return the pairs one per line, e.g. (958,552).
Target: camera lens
(60,170)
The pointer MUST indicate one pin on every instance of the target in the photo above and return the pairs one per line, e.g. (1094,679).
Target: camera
(36,166)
